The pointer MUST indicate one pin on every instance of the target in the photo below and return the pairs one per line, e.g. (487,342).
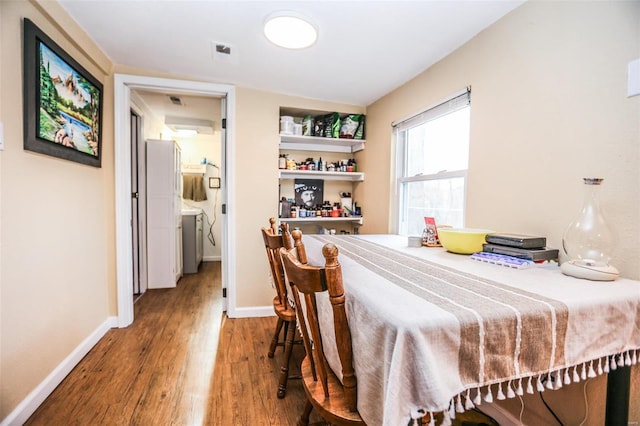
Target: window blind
(455,103)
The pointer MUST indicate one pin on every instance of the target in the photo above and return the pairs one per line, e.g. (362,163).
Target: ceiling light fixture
(290,30)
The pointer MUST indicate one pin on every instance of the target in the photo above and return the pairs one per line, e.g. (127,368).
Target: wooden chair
(281,306)
(334,401)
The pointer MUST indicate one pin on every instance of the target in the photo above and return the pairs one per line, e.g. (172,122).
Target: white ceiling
(365,49)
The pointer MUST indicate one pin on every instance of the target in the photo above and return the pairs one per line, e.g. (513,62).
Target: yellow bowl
(463,240)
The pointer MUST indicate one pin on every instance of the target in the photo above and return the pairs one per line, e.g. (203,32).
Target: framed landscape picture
(62,102)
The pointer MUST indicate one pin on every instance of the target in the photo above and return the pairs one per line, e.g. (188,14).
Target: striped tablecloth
(434,331)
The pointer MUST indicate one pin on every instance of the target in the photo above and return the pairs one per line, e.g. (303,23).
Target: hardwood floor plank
(181,363)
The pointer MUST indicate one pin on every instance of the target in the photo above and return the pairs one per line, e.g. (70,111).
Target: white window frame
(451,104)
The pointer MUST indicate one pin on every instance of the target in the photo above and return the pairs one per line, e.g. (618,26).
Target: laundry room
(179,157)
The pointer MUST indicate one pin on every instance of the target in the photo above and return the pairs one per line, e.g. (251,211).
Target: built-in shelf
(303,174)
(317,144)
(356,219)
(314,143)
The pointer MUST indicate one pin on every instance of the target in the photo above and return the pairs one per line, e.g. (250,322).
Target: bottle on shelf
(285,207)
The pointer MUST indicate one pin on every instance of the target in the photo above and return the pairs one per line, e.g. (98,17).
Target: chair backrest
(273,242)
(306,281)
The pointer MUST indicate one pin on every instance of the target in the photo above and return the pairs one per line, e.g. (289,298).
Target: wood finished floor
(168,368)
(182,363)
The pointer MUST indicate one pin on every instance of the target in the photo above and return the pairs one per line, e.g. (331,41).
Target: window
(433,157)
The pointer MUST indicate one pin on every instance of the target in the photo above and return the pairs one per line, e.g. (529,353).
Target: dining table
(433,331)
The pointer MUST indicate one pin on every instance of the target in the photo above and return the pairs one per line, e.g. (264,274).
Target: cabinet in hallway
(164,219)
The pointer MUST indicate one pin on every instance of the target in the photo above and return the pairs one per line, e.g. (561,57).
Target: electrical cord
(550,410)
(521,409)
(586,403)
(210,235)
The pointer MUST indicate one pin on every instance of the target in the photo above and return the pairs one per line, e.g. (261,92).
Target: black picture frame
(214,182)
(309,192)
(62,102)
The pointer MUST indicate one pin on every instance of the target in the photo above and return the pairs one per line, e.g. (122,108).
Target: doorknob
(135,195)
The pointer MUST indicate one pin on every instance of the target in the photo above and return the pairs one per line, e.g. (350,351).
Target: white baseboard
(258,311)
(28,406)
(211,258)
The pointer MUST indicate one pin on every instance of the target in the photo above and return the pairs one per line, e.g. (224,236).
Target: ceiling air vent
(222,52)
(221,48)
(175,100)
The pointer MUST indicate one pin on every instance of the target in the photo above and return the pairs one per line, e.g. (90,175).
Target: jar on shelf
(307,125)
(286,125)
(284,208)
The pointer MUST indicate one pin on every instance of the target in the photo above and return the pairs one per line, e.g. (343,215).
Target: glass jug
(588,241)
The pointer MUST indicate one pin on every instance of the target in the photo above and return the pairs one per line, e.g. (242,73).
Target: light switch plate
(633,78)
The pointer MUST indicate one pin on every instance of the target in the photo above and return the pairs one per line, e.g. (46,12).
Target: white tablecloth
(435,331)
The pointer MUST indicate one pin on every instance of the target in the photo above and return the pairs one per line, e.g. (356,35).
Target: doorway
(195,124)
(124,84)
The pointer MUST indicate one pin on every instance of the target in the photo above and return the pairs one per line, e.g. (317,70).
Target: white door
(138,204)
(136,133)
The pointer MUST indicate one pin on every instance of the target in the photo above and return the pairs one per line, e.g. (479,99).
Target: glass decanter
(588,241)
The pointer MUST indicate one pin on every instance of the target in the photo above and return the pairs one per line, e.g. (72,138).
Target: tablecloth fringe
(551,380)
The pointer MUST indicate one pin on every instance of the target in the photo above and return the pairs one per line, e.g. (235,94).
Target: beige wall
(548,107)
(256,177)
(57,232)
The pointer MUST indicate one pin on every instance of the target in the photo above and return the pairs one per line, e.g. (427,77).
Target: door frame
(123,84)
